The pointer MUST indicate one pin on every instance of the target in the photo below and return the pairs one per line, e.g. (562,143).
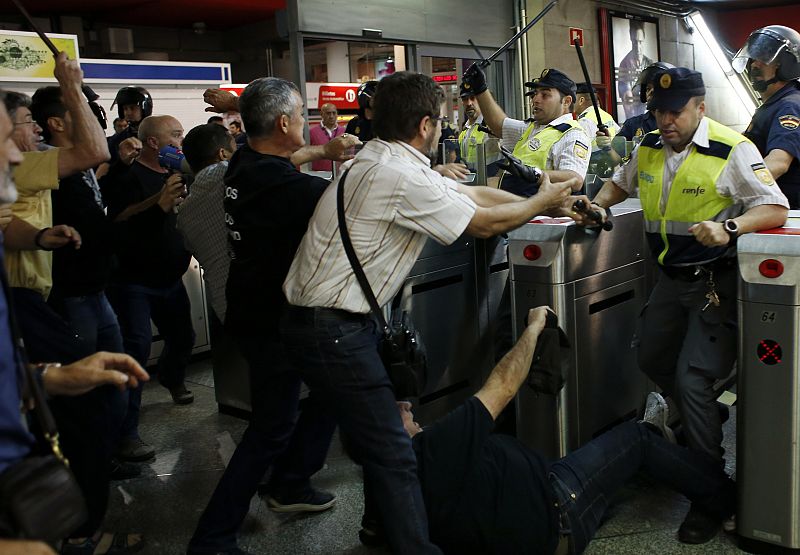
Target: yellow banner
(25,57)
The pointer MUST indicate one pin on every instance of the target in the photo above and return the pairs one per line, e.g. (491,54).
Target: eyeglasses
(26,122)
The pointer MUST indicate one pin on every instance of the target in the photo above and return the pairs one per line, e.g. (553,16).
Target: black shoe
(371,533)
(121,470)
(306,501)
(698,527)
(181,395)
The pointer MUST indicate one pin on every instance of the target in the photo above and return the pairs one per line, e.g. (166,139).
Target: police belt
(698,271)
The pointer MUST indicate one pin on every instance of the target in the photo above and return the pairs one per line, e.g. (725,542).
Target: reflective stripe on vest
(543,142)
(471,156)
(608,120)
(693,196)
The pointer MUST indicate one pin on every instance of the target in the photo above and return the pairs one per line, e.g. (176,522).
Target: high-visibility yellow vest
(535,151)
(608,120)
(469,151)
(693,196)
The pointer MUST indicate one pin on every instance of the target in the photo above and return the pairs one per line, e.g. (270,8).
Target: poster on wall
(634,46)
(25,57)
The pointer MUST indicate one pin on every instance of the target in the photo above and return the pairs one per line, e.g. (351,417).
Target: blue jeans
(585,480)
(271,439)
(336,354)
(170,310)
(92,317)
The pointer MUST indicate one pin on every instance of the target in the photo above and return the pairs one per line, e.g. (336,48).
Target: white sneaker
(656,412)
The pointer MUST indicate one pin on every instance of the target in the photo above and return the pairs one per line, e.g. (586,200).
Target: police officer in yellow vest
(472,134)
(701,185)
(587,117)
(554,141)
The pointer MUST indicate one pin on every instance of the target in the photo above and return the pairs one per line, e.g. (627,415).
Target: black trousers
(88,424)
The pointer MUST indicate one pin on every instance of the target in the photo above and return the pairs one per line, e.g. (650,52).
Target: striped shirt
(737,181)
(201,221)
(394,201)
(563,155)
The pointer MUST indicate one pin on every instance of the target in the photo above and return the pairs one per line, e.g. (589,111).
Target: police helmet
(647,75)
(134,95)
(365,93)
(768,44)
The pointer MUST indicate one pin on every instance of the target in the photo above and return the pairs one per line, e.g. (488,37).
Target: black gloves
(514,166)
(474,80)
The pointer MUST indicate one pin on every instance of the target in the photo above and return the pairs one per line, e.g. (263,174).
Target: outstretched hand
(101,368)
(338,149)
(221,101)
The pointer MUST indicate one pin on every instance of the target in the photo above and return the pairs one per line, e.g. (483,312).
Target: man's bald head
(156,132)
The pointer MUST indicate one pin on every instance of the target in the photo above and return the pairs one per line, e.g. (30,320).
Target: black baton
(600,125)
(33,26)
(486,61)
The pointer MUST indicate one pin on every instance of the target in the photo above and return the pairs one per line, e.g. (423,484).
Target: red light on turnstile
(771,268)
(532,252)
(769,352)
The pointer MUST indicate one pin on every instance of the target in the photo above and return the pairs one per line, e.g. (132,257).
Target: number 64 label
(768,317)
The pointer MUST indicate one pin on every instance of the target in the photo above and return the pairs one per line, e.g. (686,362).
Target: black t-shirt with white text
(268,204)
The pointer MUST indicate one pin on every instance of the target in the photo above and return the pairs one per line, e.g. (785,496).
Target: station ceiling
(739,4)
(216,14)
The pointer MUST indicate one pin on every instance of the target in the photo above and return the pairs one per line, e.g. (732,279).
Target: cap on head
(553,79)
(646,77)
(464,92)
(134,95)
(673,88)
(769,44)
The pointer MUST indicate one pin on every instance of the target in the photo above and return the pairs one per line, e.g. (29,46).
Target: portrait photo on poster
(634,46)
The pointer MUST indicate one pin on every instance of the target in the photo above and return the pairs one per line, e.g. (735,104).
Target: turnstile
(441,293)
(596,283)
(768,419)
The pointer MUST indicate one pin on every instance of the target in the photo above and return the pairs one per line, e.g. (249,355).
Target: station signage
(445,78)
(344,97)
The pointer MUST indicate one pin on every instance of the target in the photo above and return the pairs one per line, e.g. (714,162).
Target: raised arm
(90,147)
(508,376)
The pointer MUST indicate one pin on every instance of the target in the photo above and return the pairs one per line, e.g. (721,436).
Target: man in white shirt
(393,202)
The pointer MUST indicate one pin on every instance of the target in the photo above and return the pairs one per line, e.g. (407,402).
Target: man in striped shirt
(394,201)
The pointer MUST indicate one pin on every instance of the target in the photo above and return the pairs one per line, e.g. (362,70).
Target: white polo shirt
(394,201)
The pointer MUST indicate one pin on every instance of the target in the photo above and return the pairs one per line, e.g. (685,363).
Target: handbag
(401,348)
(39,497)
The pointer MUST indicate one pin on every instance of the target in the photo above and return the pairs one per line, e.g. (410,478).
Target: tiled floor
(194,442)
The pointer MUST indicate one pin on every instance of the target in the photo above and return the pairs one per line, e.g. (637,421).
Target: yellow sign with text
(25,56)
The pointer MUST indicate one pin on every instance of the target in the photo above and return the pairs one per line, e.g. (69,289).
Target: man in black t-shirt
(491,494)
(267,207)
(147,282)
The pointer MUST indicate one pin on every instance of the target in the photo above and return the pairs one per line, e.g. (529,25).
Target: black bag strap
(31,390)
(351,256)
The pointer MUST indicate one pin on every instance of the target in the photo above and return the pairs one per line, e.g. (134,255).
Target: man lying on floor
(488,493)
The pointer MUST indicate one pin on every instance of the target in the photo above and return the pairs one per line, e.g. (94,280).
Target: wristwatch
(732,228)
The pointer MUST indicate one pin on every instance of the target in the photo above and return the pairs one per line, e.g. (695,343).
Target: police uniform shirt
(570,152)
(638,126)
(745,178)
(591,127)
(776,125)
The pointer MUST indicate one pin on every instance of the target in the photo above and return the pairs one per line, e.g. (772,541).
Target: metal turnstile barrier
(596,283)
(768,419)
